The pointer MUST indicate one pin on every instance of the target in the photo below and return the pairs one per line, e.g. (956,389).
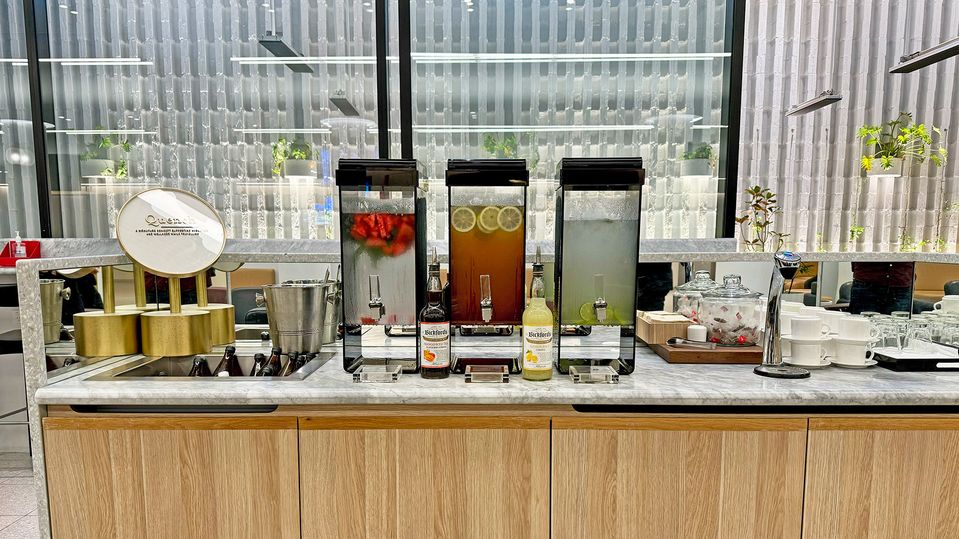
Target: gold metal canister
(222,316)
(107,333)
(176,332)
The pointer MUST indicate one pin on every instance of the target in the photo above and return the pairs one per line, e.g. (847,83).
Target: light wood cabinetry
(882,478)
(172,477)
(677,477)
(425,476)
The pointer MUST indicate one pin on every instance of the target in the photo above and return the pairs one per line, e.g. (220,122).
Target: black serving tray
(941,358)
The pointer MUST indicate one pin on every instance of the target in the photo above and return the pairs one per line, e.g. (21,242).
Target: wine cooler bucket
(296,311)
(52,295)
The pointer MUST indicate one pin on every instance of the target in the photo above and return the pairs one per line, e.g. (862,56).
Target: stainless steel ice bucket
(296,312)
(52,295)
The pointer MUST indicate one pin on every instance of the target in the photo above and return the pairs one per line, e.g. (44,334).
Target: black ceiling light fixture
(927,57)
(828,97)
(342,103)
(822,100)
(274,43)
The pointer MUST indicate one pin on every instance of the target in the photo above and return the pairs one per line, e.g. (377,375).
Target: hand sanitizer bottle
(19,249)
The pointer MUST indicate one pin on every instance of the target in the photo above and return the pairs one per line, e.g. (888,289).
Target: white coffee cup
(790,307)
(832,318)
(856,328)
(805,353)
(808,327)
(853,353)
(949,304)
(785,323)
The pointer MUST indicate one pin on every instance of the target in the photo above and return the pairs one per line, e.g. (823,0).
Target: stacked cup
(832,319)
(949,304)
(854,342)
(807,341)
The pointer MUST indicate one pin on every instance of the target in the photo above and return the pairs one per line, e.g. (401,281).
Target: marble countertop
(654,382)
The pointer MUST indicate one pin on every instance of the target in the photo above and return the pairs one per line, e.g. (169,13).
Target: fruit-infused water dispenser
(597,254)
(383,253)
(487,264)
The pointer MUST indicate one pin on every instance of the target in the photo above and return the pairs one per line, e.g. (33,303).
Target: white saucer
(866,365)
(822,339)
(841,340)
(822,364)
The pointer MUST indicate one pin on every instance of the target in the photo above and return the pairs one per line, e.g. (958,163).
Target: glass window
(249,104)
(18,174)
(602,78)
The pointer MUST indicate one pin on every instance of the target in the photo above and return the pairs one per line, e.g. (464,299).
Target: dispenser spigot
(376,301)
(486,299)
(599,304)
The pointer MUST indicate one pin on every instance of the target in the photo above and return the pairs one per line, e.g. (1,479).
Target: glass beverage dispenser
(487,213)
(383,253)
(597,254)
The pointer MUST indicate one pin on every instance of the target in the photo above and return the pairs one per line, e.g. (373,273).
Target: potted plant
(508,148)
(888,144)
(293,158)
(106,155)
(697,162)
(756,224)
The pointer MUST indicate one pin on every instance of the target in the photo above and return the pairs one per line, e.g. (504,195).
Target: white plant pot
(695,167)
(877,171)
(95,168)
(299,167)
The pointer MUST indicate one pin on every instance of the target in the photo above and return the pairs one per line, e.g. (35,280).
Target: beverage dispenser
(597,254)
(487,214)
(383,253)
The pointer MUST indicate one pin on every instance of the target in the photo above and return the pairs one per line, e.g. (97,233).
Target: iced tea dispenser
(597,254)
(487,264)
(383,250)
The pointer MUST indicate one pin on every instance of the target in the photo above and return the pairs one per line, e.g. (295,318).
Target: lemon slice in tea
(487,219)
(463,219)
(509,218)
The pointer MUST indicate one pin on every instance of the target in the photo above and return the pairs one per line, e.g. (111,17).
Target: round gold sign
(170,232)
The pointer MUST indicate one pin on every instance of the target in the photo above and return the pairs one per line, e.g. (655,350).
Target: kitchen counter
(654,382)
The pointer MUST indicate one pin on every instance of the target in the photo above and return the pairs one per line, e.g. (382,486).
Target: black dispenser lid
(487,172)
(378,172)
(599,171)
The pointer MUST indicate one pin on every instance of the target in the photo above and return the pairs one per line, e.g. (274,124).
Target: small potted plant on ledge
(697,162)
(105,156)
(889,144)
(293,158)
(756,223)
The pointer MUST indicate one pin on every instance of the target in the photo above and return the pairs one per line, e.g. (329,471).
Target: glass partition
(18,176)
(248,104)
(545,80)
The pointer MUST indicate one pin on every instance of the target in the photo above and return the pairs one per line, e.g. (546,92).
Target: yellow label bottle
(537,330)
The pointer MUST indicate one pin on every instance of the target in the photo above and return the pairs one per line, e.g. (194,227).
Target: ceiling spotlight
(73,12)
(64,6)
(569,8)
(470,10)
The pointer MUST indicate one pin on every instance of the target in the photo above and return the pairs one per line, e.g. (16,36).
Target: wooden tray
(749,355)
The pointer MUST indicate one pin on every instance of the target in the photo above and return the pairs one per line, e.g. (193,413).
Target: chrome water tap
(486,298)
(376,301)
(786,266)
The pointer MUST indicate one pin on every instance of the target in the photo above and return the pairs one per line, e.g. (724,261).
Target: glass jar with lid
(688,297)
(732,313)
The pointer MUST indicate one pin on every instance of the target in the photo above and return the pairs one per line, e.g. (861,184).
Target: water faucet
(786,266)
(599,304)
(376,301)
(486,299)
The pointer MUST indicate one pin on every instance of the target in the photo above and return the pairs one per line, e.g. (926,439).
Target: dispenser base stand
(781,371)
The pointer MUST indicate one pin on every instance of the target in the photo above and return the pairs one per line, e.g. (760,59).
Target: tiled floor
(18,498)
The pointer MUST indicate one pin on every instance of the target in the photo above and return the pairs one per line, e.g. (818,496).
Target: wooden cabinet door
(882,477)
(677,477)
(168,477)
(425,476)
